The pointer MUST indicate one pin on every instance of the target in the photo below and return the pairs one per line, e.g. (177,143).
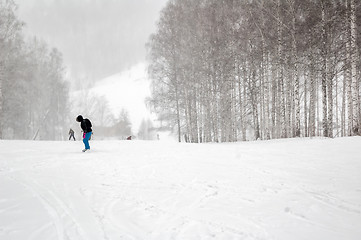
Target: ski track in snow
(135,190)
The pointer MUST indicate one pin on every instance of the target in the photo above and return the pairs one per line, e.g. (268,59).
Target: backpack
(87,121)
(87,125)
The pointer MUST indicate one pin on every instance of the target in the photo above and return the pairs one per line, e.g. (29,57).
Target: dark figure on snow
(71,134)
(86,125)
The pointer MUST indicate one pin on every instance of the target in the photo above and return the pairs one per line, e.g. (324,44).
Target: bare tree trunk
(354,84)
(194,119)
(324,73)
(215,107)
(289,99)
(313,99)
(319,129)
(336,106)
(208,118)
(41,124)
(330,100)
(2,78)
(296,74)
(255,106)
(267,96)
(177,105)
(241,100)
(348,74)
(262,100)
(306,133)
(274,104)
(343,108)
(280,71)
(296,109)
(234,112)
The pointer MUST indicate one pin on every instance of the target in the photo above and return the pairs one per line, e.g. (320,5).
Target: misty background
(217,71)
(97,38)
(83,57)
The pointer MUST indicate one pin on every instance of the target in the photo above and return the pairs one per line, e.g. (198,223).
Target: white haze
(97,38)
(123,91)
(127,91)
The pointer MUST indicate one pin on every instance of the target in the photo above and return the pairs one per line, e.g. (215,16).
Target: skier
(86,125)
(71,134)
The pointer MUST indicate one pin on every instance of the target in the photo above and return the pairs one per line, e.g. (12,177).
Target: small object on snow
(129,138)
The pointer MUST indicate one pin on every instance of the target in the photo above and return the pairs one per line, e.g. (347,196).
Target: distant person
(86,125)
(71,134)
(129,138)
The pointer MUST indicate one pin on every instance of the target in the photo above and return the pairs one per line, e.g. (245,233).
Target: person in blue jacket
(86,126)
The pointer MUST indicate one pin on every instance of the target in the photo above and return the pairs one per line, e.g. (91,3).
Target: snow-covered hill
(127,90)
(280,189)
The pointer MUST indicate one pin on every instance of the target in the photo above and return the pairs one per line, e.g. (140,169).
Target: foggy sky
(97,37)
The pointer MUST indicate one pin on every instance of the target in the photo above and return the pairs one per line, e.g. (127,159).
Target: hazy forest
(233,70)
(35,91)
(220,71)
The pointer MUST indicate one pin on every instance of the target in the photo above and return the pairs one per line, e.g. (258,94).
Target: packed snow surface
(281,189)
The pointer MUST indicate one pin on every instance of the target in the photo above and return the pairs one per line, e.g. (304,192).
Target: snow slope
(280,189)
(127,90)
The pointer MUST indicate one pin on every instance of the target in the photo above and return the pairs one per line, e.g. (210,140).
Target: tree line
(229,70)
(33,93)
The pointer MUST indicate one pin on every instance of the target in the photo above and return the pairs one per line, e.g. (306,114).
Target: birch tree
(354,78)
(243,70)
